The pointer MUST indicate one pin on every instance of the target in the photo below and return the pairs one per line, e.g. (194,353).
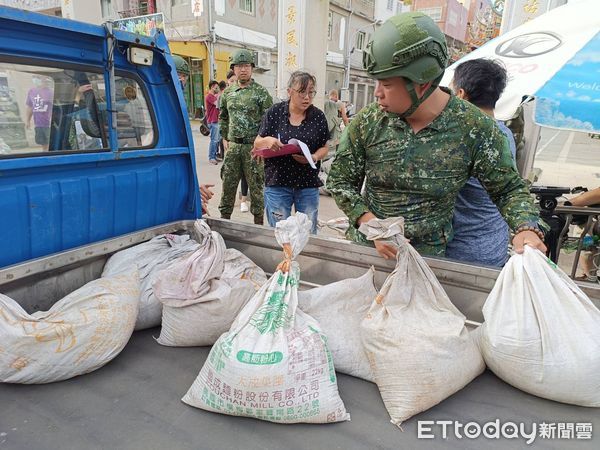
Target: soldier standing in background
(242,107)
(418,145)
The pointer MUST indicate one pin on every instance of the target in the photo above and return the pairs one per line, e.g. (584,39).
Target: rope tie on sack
(284,266)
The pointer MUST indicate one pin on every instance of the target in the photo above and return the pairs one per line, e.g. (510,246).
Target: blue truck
(96,155)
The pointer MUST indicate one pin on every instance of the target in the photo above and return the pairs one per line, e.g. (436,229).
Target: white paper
(305,151)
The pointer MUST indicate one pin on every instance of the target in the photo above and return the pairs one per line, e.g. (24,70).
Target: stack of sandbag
(419,349)
(149,258)
(274,363)
(203,292)
(236,265)
(340,308)
(79,334)
(541,332)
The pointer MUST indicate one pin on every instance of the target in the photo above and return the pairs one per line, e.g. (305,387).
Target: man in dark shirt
(212,119)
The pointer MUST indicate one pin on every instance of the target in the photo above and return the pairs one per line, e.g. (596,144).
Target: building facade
(219,28)
(351,24)
(451,16)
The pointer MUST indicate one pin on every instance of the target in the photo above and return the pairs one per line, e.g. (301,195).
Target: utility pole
(345,94)
(349,51)
(211,42)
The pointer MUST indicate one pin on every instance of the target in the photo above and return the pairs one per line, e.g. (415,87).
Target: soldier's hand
(205,193)
(386,249)
(258,158)
(300,159)
(225,144)
(528,238)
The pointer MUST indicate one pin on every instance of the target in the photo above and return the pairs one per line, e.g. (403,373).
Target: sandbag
(274,363)
(150,258)
(541,333)
(203,293)
(239,266)
(188,277)
(416,340)
(339,308)
(78,334)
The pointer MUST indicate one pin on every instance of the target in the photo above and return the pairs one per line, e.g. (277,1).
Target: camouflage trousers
(237,161)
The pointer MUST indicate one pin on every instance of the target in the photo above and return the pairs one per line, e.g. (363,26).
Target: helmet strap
(415,100)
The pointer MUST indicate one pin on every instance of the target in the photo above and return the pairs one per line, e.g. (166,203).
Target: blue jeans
(215,137)
(279,201)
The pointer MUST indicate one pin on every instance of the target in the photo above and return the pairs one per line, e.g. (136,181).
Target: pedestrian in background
(290,180)
(212,120)
(242,107)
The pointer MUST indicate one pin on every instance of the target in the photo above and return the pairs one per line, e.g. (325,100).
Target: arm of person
(321,131)
(224,120)
(587,198)
(28,116)
(266,131)
(347,174)
(206,194)
(495,168)
(210,100)
(344,114)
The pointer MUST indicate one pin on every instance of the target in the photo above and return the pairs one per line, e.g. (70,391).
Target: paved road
(568,159)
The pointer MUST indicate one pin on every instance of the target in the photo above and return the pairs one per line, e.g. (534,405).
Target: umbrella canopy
(555,57)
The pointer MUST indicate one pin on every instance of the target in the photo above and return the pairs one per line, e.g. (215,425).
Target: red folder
(287,149)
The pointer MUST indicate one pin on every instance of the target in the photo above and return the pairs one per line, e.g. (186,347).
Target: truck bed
(135,401)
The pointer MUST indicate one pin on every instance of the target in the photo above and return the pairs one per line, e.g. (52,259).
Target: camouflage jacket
(241,111)
(417,176)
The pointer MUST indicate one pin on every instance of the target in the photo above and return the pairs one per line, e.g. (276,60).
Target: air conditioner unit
(263,60)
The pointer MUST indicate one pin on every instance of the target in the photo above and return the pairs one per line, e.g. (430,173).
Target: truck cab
(94,140)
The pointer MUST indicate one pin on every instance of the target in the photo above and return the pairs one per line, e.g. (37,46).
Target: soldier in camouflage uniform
(242,107)
(418,145)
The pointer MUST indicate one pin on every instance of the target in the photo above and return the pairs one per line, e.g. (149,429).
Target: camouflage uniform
(239,120)
(417,176)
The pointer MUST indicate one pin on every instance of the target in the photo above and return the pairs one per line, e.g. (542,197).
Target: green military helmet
(409,45)
(181,65)
(241,56)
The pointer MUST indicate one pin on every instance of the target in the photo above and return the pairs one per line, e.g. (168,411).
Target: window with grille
(329,26)
(434,13)
(361,37)
(390,5)
(247,6)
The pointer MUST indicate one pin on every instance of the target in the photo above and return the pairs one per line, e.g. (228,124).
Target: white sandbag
(204,292)
(200,322)
(416,340)
(340,308)
(273,364)
(542,333)
(79,334)
(188,277)
(239,266)
(150,258)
